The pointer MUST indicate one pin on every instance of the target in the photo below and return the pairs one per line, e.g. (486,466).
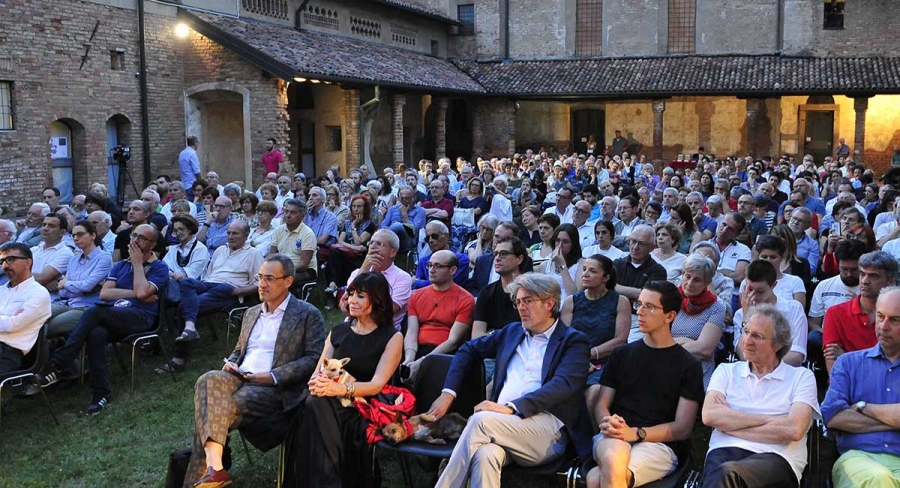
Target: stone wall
(493,130)
(541,29)
(630,27)
(488,30)
(737,26)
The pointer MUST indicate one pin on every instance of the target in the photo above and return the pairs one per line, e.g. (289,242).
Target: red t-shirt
(271,160)
(438,310)
(848,326)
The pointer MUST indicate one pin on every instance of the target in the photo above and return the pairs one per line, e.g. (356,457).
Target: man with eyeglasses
(138,214)
(484,272)
(213,232)
(805,198)
(563,208)
(213,179)
(636,269)
(382,250)
(669,200)
(130,295)
(177,192)
(532,415)
(437,235)
(438,206)
(228,278)
(760,289)
(628,217)
(24,306)
(760,408)
(78,207)
(440,315)
(807,247)
(405,218)
(647,399)
(580,221)
(755,225)
(493,308)
(280,343)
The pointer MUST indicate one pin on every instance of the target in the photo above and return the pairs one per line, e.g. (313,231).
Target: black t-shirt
(649,383)
(494,306)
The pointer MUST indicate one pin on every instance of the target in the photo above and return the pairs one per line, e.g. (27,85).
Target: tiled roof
(686,75)
(420,10)
(287,52)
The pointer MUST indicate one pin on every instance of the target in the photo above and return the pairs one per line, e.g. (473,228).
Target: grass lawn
(128,444)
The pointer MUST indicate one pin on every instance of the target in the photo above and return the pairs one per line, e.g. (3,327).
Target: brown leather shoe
(214,479)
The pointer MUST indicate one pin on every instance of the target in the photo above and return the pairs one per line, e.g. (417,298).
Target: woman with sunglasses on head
(326,445)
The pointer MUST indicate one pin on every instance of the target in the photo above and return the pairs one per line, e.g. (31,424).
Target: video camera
(121,154)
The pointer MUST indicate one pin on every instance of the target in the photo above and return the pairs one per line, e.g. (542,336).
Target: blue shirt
(84,277)
(323,222)
(708,223)
(216,234)
(156,273)
(189,164)
(809,248)
(416,217)
(864,375)
(814,205)
(461,277)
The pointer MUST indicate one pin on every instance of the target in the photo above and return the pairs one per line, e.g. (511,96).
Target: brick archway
(219,113)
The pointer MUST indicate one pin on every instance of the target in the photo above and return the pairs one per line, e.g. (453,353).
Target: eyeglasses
(137,237)
(503,254)
(648,307)
(526,302)
(755,336)
(77,235)
(221,206)
(435,237)
(437,266)
(799,221)
(582,211)
(634,243)
(10,259)
(268,279)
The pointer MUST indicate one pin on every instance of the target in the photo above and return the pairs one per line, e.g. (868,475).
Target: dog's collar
(408,426)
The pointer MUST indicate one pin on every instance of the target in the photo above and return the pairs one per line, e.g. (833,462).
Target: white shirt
(261,343)
(109,242)
(773,394)
(731,256)
(829,293)
(784,287)
(565,217)
(167,210)
(236,268)
(57,257)
(674,264)
(196,264)
(893,248)
(21,331)
(523,373)
(586,235)
(885,229)
(883,218)
(501,207)
(612,253)
(795,315)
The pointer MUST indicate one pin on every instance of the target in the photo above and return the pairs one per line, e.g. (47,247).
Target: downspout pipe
(505,19)
(145,116)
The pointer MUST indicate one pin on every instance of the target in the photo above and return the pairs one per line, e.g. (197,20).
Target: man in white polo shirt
(51,256)
(760,409)
(733,256)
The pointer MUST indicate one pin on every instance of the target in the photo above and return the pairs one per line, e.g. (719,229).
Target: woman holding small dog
(326,446)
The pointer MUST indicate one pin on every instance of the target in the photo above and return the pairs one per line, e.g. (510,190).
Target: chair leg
(246,449)
(166,355)
(46,401)
(81,367)
(281,455)
(1,405)
(133,349)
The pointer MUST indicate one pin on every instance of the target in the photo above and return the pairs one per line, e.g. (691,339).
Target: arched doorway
(118,133)
(66,155)
(219,114)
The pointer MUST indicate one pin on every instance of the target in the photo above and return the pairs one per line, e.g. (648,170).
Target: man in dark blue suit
(542,366)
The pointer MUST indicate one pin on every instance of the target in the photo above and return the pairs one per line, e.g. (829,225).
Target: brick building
(345,82)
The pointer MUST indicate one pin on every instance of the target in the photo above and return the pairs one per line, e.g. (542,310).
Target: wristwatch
(641,434)
(860,405)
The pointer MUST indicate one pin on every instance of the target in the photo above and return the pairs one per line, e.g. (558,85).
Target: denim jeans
(100,325)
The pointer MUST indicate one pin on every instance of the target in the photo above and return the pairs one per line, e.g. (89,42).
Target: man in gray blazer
(280,343)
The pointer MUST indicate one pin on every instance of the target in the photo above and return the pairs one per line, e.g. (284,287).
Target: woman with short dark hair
(326,446)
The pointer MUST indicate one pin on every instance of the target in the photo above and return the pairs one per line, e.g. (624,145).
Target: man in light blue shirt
(189,164)
(406,219)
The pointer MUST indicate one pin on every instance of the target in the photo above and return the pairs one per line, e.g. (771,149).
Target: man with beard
(850,326)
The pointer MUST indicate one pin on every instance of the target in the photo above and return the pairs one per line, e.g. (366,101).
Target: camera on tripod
(121,154)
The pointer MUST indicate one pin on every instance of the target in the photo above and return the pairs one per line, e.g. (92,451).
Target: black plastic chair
(35,361)
(427,388)
(144,338)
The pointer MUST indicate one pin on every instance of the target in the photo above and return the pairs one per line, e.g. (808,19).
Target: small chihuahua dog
(425,428)
(334,370)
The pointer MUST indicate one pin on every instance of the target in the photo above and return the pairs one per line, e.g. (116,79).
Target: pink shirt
(271,160)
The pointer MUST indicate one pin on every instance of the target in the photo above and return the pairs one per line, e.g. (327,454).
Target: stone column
(440,128)
(754,107)
(351,131)
(659,108)
(860,105)
(397,127)
(512,127)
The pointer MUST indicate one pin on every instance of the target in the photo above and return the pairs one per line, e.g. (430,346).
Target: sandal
(188,336)
(169,367)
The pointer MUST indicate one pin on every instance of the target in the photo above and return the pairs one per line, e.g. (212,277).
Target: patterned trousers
(223,402)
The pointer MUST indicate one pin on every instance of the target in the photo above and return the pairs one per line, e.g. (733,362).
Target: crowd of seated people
(734,275)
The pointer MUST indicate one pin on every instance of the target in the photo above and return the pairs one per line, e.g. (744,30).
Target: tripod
(120,185)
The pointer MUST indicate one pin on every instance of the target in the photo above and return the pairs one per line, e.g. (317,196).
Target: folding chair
(34,360)
(145,338)
(427,388)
